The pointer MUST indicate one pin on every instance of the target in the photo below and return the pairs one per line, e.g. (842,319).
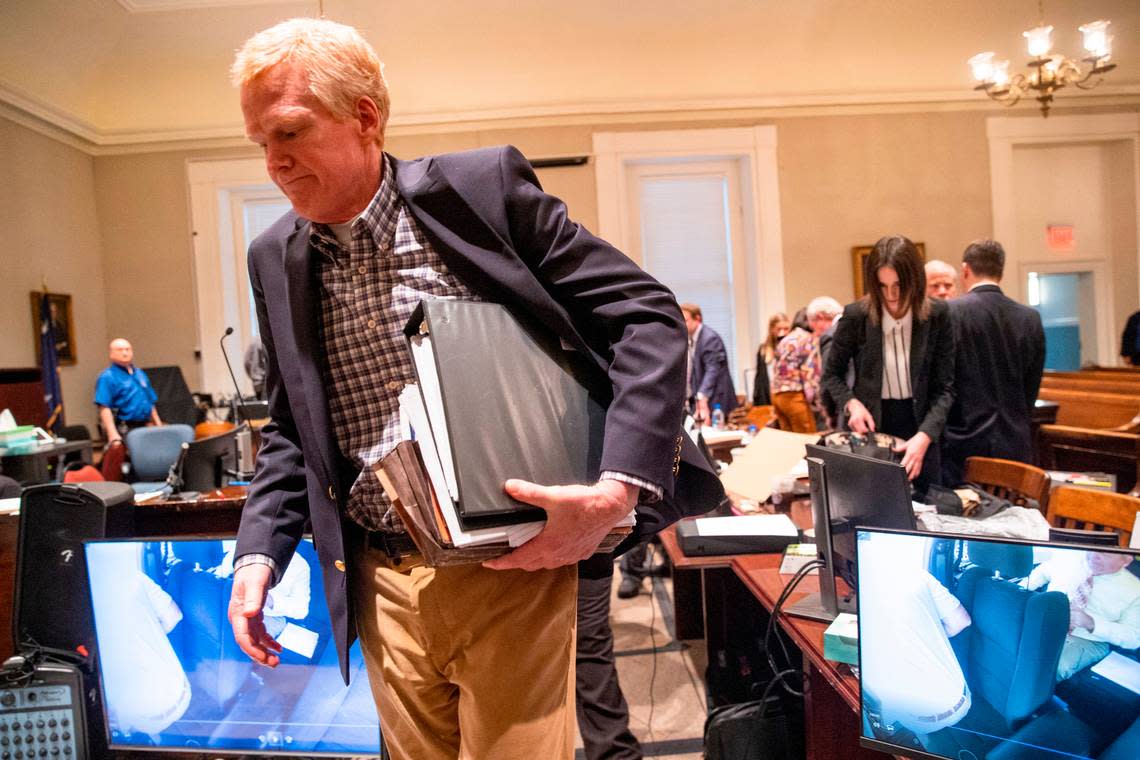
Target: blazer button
(339,565)
(332,494)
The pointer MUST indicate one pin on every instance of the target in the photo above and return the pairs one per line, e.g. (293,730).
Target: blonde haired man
(941,280)
(471,661)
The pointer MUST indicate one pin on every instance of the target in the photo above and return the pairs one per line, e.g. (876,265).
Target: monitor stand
(810,607)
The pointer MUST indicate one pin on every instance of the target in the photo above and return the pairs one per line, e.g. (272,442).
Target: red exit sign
(1059,237)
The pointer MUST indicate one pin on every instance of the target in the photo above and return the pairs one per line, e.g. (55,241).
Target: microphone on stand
(243,438)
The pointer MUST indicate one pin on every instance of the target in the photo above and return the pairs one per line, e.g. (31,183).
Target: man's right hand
(859,418)
(251,583)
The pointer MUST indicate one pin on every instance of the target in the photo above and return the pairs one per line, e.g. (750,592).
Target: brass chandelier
(1048,72)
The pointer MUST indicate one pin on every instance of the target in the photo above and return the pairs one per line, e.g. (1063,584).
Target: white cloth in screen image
(145,685)
(908,665)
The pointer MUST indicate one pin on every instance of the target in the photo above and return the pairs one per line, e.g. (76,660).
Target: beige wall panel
(144,215)
(47,212)
(1121,180)
(849,180)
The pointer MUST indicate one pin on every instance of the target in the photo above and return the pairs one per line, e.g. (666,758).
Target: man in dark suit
(710,382)
(473,659)
(1000,348)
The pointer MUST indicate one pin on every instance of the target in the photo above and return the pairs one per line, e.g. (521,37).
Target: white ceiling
(130,71)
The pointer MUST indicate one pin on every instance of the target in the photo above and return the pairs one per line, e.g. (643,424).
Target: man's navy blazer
(711,375)
(1000,358)
(494,227)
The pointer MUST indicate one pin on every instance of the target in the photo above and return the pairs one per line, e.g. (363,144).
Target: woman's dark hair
(901,255)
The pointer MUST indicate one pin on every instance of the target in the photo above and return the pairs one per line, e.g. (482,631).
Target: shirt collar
(985,282)
(889,322)
(379,218)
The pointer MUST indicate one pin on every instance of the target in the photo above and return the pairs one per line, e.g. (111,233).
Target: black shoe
(660,570)
(629,587)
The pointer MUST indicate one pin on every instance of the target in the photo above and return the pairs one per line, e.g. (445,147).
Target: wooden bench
(1094,410)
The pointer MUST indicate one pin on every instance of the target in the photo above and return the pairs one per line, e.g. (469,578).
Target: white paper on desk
(298,639)
(1120,670)
(424,357)
(714,435)
(145,496)
(799,469)
(746,525)
(10,506)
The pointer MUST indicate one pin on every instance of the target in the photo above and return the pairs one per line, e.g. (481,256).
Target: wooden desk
(212,513)
(33,467)
(691,578)
(831,696)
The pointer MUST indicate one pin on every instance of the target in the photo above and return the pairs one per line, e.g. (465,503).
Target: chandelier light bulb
(982,66)
(1046,72)
(1000,74)
(1039,40)
(1096,39)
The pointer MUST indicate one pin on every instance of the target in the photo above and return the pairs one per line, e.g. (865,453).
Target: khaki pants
(793,412)
(466,662)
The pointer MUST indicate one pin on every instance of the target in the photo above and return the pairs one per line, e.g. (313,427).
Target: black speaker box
(53,601)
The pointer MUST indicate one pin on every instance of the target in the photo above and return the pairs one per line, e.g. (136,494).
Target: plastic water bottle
(717,417)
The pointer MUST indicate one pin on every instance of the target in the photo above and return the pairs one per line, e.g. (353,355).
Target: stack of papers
(433,524)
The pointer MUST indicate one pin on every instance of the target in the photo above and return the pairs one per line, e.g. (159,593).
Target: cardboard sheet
(772,453)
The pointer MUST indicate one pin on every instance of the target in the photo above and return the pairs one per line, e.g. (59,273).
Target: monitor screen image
(998,648)
(173,677)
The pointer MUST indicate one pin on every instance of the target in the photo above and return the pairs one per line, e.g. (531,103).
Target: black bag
(758,730)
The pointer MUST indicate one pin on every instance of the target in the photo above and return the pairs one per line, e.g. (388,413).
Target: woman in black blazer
(902,344)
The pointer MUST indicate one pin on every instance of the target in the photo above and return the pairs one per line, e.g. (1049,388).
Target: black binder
(517,405)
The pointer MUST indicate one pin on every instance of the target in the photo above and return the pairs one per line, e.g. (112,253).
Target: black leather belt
(395,545)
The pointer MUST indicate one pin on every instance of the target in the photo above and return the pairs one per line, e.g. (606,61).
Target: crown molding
(63,126)
(155,6)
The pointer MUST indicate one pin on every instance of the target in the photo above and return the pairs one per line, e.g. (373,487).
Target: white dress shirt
(896,356)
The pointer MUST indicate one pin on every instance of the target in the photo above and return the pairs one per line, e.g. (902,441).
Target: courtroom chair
(152,451)
(1016,482)
(1086,509)
(743,416)
(113,460)
(1010,650)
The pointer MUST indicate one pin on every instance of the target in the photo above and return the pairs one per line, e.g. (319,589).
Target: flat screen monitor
(208,463)
(1087,537)
(173,677)
(848,490)
(997,648)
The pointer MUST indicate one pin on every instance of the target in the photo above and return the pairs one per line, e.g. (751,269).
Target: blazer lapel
(301,290)
(919,333)
(479,255)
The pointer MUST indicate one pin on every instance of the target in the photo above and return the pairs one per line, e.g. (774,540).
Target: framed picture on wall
(62,323)
(859,256)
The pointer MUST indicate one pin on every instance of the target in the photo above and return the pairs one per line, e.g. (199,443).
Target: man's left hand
(914,451)
(1078,618)
(577,519)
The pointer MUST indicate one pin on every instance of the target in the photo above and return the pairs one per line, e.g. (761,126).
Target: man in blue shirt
(124,394)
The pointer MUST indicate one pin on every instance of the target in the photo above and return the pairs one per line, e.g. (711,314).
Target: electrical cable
(652,643)
(780,675)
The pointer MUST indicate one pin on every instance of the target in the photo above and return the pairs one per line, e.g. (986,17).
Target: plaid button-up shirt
(369,288)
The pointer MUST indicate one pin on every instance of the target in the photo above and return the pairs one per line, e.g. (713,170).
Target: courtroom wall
(50,230)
